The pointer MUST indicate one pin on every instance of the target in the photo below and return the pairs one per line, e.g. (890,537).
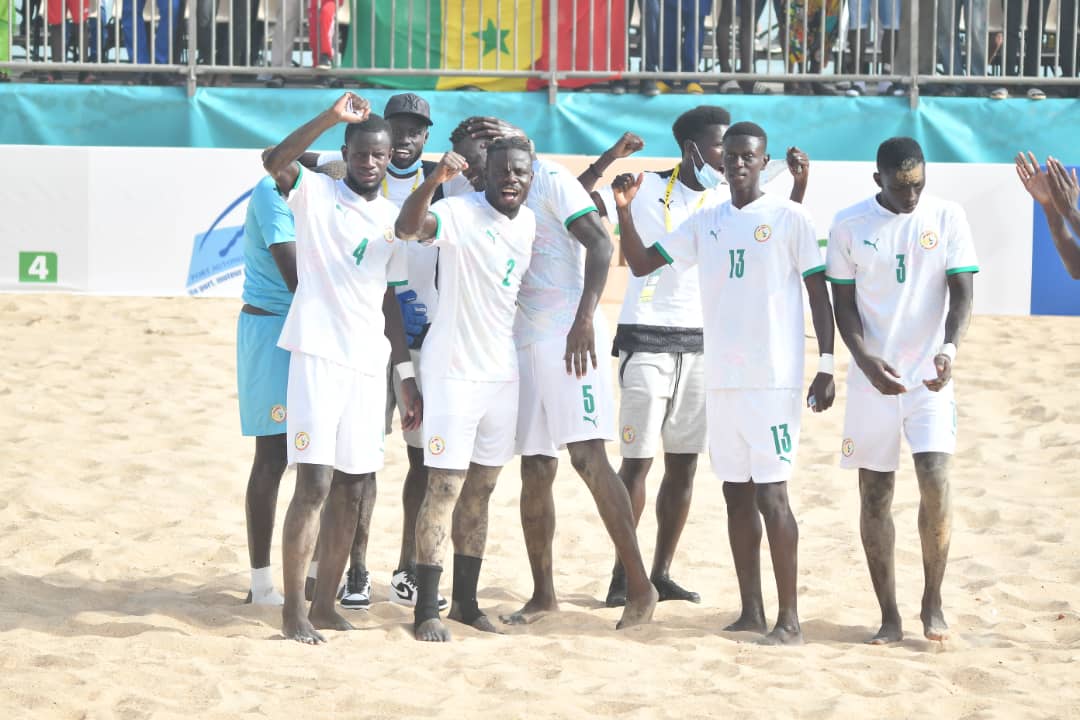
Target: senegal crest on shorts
(928,240)
(628,434)
(388,234)
(762,233)
(848,447)
(436,445)
(277,413)
(302,441)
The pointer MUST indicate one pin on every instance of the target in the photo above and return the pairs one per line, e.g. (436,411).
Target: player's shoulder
(939,206)
(381,207)
(856,214)
(266,190)
(785,208)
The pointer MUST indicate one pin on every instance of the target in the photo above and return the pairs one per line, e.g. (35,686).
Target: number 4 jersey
(483,256)
(346,255)
(899,265)
(752,261)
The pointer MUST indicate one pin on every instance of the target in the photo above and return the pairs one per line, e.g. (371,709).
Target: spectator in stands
(674,34)
(1031,40)
(136,39)
(60,36)
(813,26)
(952,52)
(286,29)
(321,16)
(748,13)
(873,30)
(5,34)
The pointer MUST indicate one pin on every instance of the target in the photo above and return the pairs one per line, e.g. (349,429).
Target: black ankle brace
(466,577)
(427,593)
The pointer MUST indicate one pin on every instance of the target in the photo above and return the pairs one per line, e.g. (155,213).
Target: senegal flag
(469,35)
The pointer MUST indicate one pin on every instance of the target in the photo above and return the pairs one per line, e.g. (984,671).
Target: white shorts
(874,422)
(467,421)
(413,438)
(334,416)
(754,434)
(557,407)
(663,396)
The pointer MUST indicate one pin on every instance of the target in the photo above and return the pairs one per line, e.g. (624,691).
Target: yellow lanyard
(667,198)
(416,183)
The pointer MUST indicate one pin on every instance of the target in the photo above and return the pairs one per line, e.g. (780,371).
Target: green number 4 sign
(37,267)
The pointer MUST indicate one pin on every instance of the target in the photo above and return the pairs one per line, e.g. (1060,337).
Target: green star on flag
(492,38)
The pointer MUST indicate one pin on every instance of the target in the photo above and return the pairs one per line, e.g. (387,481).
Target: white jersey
(483,256)
(421,258)
(898,264)
(667,297)
(346,255)
(752,263)
(551,289)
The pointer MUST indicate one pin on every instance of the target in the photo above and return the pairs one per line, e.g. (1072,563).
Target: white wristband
(825,364)
(405,370)
(949,351)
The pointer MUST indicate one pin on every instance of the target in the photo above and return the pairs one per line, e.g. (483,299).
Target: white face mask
(709,178)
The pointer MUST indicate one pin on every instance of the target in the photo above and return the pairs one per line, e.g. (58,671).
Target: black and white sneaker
(357,594)
(403,589)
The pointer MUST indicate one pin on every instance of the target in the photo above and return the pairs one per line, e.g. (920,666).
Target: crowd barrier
(161,221)
(948,47)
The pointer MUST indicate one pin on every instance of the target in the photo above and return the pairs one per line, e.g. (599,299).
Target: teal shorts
(262,374)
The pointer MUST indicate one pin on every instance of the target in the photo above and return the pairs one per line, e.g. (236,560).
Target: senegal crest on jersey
(388,234)
(762,233)
(928,240)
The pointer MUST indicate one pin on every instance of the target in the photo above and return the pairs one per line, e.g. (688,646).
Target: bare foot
(432,631)
(934,625)
(298,628)
(890,632)
(749,622)
(638,610)
(533,610)
(329,620)
(671,590)
(783,636)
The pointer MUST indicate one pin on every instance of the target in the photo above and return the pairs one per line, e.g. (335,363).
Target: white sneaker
(403,590)
(357,593)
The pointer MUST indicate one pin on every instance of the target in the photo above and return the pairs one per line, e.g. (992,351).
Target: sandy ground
(124,565)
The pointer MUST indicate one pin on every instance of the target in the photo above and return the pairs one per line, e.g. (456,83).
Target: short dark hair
(747,129)
(691,123)
(512,142)
(899,153)
(460,132)
(374,124)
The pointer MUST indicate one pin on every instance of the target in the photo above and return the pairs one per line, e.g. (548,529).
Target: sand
(124,564)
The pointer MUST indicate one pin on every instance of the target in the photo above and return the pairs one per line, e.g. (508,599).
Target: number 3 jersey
(752,261)
(346,255)
(482,258)
(899,265)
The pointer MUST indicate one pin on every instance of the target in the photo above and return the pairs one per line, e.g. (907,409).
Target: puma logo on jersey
(715,236)
(490,235)
(871,244)
(784,459)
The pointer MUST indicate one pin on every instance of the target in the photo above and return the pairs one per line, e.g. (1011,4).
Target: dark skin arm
(822,388)
(624,147)
(1056,192)
(414,222)
(580,341)
(642,260)
(284,254)
(880,374)
(798,163)
(961,294)
(489,128)
(394,329)
(280,160)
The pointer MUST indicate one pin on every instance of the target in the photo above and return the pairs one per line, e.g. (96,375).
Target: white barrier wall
(133,221)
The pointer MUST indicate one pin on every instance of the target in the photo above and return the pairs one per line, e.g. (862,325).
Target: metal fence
(899,47)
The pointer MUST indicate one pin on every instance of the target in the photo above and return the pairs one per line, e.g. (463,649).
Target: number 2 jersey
(752,261)
(483,256)
(899,265)
(346,255)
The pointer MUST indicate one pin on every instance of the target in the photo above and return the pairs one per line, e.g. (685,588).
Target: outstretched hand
(625,187)
(450,164)
(351,108)
(882,375)
(1064,188)
(1034,180)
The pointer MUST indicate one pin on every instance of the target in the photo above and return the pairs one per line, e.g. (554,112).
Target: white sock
(313,569)
(262,580)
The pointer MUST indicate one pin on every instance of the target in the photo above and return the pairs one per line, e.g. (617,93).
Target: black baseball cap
(408,104)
